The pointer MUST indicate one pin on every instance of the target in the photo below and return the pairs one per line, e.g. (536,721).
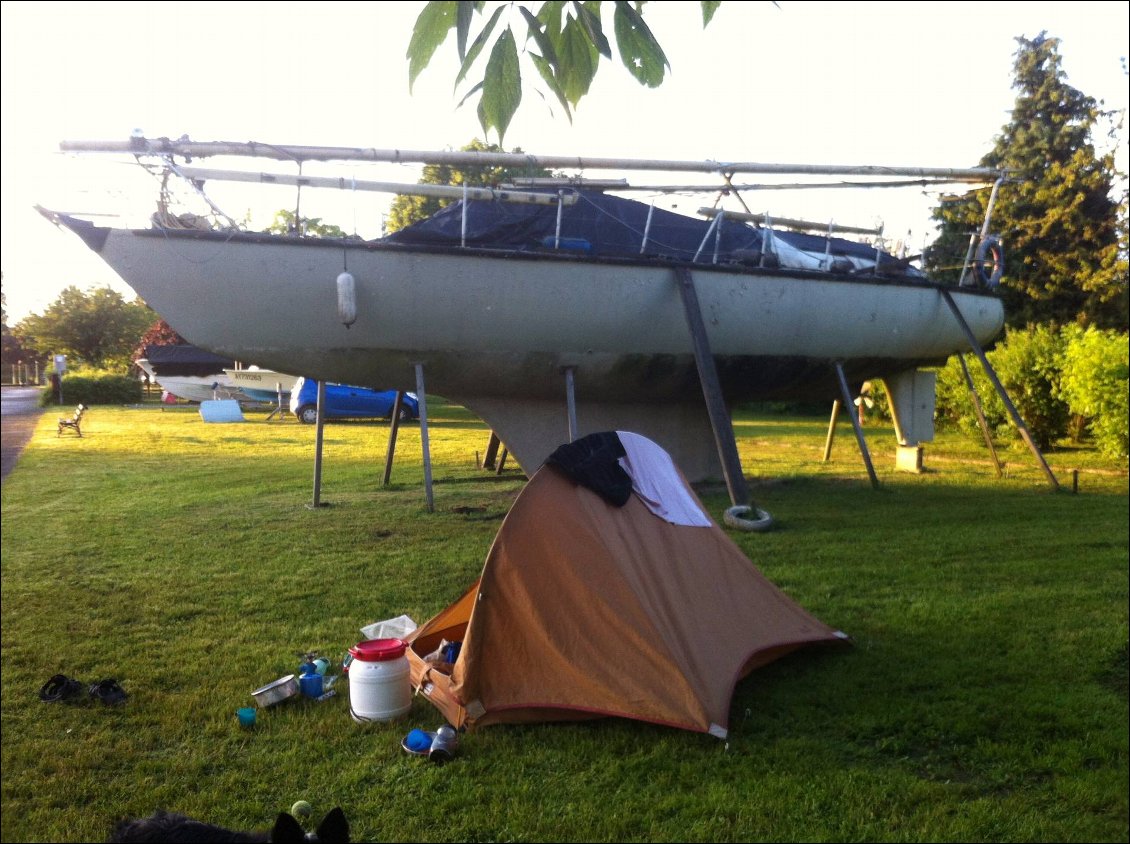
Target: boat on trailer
(551,312)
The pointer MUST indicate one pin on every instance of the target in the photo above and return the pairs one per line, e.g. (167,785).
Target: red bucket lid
(379,650)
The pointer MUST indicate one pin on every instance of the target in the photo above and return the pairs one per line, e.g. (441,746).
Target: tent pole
(712,391)
(853,416)
(424,436)
(1009,406)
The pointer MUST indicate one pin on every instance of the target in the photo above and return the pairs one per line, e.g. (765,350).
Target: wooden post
(831,430)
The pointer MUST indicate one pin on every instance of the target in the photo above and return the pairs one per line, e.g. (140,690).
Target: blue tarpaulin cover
(602,224)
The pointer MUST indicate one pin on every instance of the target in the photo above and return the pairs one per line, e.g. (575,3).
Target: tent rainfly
(608,591)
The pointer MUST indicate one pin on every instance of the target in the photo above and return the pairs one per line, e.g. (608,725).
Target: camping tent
(588,609)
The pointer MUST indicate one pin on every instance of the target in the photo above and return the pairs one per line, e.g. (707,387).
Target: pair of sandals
(63,688)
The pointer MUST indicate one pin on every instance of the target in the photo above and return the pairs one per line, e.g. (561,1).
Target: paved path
(19,411)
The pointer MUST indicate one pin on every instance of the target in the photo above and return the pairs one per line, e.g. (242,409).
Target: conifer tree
(1055,215)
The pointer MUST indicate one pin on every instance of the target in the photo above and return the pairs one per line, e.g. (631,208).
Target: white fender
(346,299)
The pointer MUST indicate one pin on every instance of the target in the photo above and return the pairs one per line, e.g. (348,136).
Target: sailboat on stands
(562,308)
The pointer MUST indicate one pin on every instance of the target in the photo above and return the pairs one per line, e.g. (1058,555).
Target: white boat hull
(201,388)
(497,330)
(262,384)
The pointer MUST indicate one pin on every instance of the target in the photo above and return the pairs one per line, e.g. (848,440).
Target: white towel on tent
(658,483)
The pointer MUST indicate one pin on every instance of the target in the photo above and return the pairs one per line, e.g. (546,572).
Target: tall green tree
(406,210)
(1056,215)
(98,328)
(564,41)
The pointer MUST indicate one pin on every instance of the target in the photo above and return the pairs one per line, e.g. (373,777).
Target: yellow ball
(301,809)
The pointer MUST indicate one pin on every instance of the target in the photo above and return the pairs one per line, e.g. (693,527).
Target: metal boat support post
(423,400)
(712,392)
(318,439)
(393,429)
(980,415)
(853,414)
(1009,406)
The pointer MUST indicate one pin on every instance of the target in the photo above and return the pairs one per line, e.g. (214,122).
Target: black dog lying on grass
(177,829)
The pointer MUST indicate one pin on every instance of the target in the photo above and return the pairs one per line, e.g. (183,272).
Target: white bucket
(380,688)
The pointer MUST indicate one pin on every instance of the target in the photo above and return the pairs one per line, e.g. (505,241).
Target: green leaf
(540,38)
(578,59)
(640,52)
(502,86)
(477,87)
(466,11)
(550,15)
(431,29)
(551,80)
(709,7)
(590,20)
(477,47)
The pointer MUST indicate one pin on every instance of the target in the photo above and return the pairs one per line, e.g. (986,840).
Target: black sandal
(60,687)
(107,691)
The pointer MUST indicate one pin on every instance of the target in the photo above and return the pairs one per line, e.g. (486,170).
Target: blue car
(345,402)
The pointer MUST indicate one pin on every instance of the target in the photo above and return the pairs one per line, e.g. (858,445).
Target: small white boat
(264,385)
(189,373)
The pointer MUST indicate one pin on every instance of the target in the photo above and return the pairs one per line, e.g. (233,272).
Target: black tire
(406,414)
(307,414)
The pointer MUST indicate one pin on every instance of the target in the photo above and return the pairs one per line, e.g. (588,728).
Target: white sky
(896,83)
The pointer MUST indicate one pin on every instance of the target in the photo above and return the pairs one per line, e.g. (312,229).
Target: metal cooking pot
(276,692)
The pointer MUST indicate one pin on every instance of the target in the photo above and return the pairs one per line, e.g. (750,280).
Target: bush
(1095,383)
(94,389)
(1028,363)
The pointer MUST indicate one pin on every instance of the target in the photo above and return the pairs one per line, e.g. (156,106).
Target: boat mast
(203,149)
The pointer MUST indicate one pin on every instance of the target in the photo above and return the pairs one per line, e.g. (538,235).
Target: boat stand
(318,439)
(422,397)
(280,407)
(393,429)
(980,415)
(492,460)
(712,391)
(1013,413)
(853,415)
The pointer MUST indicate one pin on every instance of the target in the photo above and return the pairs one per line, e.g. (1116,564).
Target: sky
(860,83)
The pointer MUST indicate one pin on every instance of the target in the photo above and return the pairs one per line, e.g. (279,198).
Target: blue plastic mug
(311,684)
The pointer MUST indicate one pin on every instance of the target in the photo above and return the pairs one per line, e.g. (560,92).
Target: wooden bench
(74,423)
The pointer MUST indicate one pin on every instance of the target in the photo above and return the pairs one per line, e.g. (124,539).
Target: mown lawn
(984,698)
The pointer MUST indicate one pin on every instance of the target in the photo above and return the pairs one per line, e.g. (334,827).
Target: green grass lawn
(984,699)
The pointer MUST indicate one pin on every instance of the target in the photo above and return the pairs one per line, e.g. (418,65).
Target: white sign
(60,364)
